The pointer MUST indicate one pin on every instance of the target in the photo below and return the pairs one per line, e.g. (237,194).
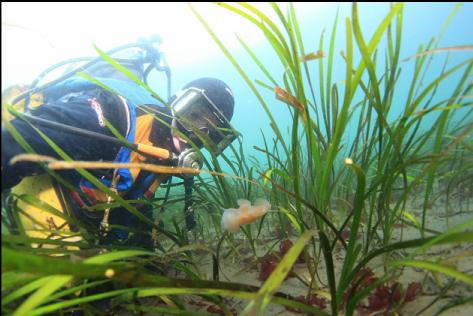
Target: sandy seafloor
(244,269)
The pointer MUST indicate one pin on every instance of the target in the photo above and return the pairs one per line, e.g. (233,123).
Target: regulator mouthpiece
(189,158)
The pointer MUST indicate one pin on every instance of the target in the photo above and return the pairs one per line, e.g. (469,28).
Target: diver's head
(202,111)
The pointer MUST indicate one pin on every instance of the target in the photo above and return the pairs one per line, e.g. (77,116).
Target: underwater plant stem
(353,247)
(313,208)
(444,290)
(241,71)
(327,251)
(442,122)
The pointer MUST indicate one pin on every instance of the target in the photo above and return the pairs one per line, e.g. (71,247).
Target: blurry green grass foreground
(360,212)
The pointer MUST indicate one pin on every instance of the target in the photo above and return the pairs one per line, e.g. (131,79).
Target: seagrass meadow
(368,171)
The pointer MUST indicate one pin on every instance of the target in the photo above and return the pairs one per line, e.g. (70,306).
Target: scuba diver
(83,117)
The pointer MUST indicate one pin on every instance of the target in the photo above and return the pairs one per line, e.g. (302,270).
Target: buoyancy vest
(142,128)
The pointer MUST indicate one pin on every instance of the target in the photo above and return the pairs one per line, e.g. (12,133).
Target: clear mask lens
(197,114)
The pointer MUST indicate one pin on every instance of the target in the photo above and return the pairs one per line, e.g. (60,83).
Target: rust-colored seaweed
(283,95)
(384,299)
(270,261)
(312,56)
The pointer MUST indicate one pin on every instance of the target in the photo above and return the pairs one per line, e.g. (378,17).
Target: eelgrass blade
(468,279)
(244,75)
(81,300)
(128,73)
(262,299)
(162,310)
(41,294)
(328,255)
(352,253)
(454,303)
(27,288)
(414,243)
(12,240)
(257,62)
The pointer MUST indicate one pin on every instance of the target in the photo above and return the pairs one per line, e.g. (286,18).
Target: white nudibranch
(246,213)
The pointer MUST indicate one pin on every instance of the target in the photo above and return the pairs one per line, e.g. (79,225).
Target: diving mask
(198,115)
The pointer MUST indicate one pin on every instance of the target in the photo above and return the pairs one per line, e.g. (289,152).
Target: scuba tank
(148,52)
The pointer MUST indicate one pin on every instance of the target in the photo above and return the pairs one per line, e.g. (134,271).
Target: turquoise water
(367,197)
(422,21)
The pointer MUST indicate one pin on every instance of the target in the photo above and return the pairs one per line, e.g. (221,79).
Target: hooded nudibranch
(246,213)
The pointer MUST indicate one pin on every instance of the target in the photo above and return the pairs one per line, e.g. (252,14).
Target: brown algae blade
(312,56)
(440,50)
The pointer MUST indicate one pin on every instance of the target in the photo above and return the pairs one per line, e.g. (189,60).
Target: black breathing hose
(87,133)
(188,210)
